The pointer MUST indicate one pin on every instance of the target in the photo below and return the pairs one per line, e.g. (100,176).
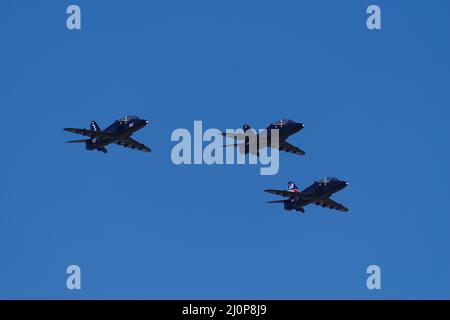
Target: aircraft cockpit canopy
(128,118)
(282,122)
(326,180)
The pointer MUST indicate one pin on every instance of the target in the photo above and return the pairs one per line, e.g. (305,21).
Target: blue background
(376,109)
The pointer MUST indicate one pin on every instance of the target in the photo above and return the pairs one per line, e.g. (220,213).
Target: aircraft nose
(141,123)
(300,126)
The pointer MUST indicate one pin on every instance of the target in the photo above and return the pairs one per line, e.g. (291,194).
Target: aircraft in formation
(318,193)
(119,132)
(286,128)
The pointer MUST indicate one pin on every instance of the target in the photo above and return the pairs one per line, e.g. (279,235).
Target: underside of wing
(133,144)
(331,204)
(287,147)
(239,135)
(90,133)
(284,193)
(244,148)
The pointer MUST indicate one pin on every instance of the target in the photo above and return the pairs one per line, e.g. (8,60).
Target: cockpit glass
(282,122)
(326,180)
(128,118)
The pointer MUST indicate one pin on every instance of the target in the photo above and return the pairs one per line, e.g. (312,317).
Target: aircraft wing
(331,204)
(285,146)
(133,144)
(284,193)
(90,133)
(239,135)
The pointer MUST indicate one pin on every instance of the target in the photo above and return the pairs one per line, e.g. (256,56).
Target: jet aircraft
(286,128)
(318,193)
(119,132)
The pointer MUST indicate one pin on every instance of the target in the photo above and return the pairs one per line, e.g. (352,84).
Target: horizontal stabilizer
(77,141)
(276,201)
(288,194)
(231,145)
(91,133)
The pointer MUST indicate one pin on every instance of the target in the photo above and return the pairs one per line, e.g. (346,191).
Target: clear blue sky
(376,109)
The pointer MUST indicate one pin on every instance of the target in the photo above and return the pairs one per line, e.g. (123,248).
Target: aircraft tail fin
(94,126)
(246,127)
(292,187)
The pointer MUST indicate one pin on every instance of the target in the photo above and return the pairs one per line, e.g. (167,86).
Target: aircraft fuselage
(284,132)
(316,191)
(120,129)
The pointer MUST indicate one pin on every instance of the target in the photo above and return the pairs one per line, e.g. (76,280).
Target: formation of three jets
(120,132)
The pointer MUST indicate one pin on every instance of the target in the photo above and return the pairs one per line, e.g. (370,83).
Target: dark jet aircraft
(119,133)
(286,128)
(318,193)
